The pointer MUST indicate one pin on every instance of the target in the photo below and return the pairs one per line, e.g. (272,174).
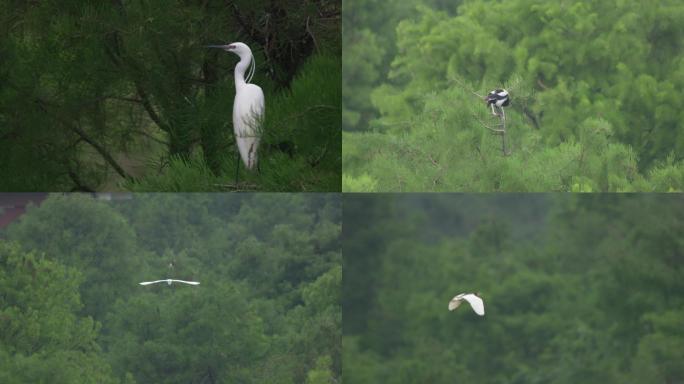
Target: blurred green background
(577,288)
(267,309)
(594,91)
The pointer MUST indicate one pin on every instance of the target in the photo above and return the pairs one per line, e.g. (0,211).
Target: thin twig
(467,88)
(432,160)
(318,159)
(143,133)
(243,187)
(313,38)
(43,105)
(487,126)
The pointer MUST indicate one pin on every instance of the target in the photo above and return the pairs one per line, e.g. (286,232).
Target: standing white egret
(248,106)
(472,298)
(169,281)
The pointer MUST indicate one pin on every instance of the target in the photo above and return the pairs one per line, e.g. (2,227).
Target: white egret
(498,98)
(169,281)
(248,106)
(472,298)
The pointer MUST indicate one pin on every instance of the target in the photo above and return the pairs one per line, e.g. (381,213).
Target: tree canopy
(267,308)
(593,90)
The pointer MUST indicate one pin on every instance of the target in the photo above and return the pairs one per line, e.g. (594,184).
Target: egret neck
(241,68)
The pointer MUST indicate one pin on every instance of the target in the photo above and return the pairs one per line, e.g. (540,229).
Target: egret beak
(217,46)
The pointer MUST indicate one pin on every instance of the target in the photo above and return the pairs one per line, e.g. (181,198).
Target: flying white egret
(498,98)
(473,299)
(169,281)
(248,106)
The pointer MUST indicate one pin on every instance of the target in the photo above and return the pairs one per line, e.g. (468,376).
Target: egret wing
(475,302)
(248,114)
(456,301)
(151,282)
(187,282)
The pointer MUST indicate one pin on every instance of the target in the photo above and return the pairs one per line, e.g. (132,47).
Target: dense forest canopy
(124,95)
(593,90)
(577,288)
(267,309)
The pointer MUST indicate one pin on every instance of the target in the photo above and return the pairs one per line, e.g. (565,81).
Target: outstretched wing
(187,282)
(475,302)
(456,301)
(151,282)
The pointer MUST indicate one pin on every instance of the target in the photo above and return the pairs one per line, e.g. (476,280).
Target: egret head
(240,49)
(245,54)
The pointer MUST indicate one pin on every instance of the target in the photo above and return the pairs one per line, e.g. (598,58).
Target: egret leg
(493,113)
(237,167)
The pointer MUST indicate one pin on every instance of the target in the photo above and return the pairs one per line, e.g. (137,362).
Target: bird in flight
(169,281)
(473,299)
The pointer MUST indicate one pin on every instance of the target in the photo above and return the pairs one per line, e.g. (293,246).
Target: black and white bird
(498,98)
(473,299)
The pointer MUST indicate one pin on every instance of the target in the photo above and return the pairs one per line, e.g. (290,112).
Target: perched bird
(498,98)
(472,298)
(169,281)
(248,105)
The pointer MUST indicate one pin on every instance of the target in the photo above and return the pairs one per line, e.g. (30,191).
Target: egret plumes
(498,98)
(473,299)
(248,106)
(169,281)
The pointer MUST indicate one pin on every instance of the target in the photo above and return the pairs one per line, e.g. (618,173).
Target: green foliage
(174,336)
(368,39)
(43,338)
(91,237)
(321,374)
(183,175)
(592,97)
(96,94)
(307,117)
(588,289)
(267,309)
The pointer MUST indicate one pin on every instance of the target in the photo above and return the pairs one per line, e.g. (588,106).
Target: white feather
(248,112)
(474,300)
(248,106)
